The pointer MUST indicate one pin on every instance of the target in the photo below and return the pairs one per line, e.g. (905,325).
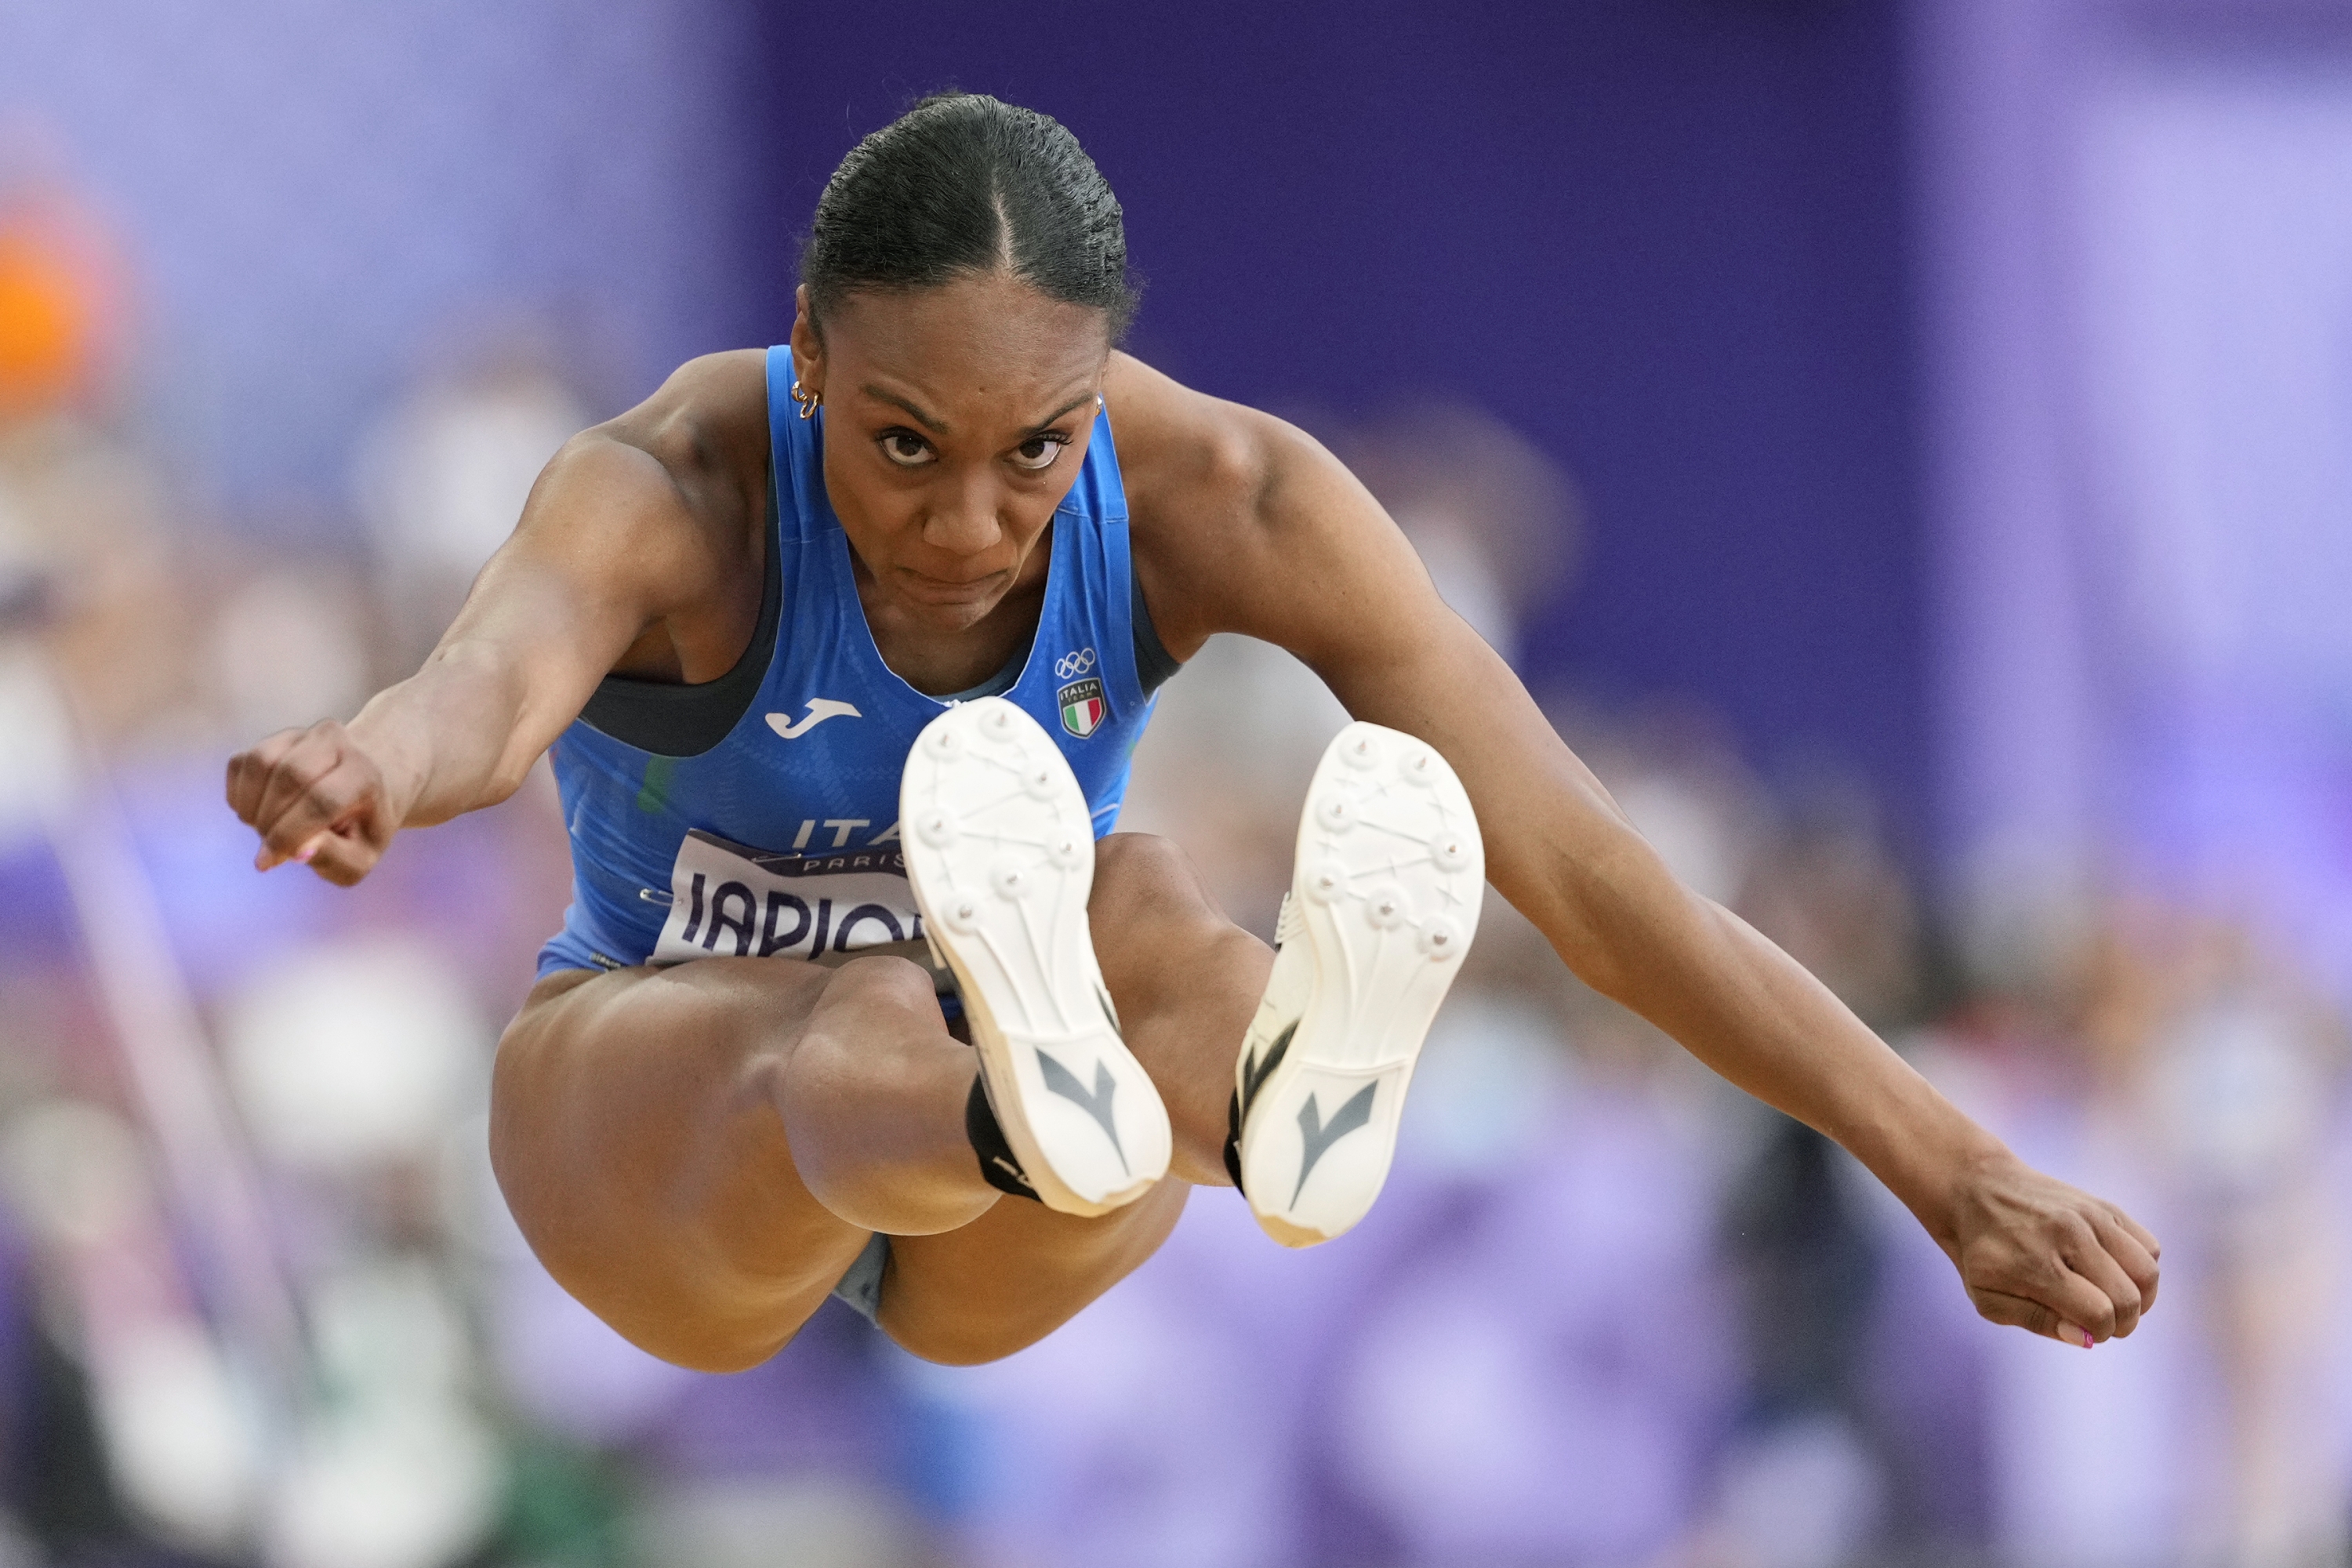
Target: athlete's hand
(315,795)
(2048,1257)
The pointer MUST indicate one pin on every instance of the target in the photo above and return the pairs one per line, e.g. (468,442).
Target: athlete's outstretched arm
(629,522)
(1267,534)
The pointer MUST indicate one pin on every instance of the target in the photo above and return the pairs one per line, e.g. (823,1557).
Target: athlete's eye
(1037,453)
(905,449)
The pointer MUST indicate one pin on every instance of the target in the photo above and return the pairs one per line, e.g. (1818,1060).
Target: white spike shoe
(1001,854)
(1383,902)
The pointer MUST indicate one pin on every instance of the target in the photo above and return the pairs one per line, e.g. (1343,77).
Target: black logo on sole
(1064,1082)
(1320,1137)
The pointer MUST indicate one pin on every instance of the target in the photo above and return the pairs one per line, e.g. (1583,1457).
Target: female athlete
(842,648)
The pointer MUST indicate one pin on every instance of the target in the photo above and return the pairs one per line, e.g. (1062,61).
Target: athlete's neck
(939,662)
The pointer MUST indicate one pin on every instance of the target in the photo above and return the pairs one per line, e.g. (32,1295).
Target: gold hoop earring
(809,401)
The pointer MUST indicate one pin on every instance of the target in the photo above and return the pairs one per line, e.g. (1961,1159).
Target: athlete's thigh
(1016,1274)
(649,1182)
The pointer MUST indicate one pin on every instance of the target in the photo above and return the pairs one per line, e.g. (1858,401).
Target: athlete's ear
(808,343)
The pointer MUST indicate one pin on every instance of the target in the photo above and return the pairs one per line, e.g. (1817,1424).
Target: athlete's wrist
(388,735)
(1938,1164)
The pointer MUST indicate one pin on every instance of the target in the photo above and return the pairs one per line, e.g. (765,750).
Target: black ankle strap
(1233,1141)
(998,1167)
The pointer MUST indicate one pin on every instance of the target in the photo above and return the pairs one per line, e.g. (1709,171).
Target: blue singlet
(783,836)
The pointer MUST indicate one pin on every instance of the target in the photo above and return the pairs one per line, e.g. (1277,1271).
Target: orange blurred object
(56,324)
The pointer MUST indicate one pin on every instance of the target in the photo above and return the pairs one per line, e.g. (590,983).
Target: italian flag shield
(1082,706)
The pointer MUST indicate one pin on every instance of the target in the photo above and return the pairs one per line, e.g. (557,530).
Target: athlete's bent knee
(875,1016)
(884,981)
(1140,875)
(1145,855)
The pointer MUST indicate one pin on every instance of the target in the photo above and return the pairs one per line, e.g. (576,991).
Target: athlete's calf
(1186,981)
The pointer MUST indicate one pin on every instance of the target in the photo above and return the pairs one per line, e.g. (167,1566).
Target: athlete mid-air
(842,650)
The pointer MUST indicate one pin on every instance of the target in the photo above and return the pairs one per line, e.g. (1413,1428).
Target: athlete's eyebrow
(1079,401)
(936,426)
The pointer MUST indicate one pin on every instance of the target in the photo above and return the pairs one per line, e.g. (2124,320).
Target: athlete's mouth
(929,590)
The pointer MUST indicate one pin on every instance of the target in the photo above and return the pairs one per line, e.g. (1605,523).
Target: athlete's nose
(964,522)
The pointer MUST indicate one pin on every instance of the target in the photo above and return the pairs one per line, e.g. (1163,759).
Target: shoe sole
(1001,854)
(1389,874)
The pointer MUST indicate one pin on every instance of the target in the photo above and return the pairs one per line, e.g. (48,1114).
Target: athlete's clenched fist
(316,796)
(2048,1257)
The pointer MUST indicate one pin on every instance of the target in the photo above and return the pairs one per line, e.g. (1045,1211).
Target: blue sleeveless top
(782,837)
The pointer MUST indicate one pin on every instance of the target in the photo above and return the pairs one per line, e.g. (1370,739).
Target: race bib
(731,901)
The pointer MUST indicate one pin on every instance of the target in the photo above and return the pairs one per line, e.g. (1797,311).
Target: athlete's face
(955,420)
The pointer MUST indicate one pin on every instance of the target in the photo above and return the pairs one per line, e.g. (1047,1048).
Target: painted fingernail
(2075,1336)
(305,852)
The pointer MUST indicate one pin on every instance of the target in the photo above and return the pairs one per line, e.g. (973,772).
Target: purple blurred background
(1905,445)
(1668,243)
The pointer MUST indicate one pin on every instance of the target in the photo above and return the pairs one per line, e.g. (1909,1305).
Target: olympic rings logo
(1071,664)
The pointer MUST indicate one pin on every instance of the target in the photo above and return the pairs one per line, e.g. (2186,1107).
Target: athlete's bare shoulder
(1230,508)
(659,511)
(1199,471)
(708,424)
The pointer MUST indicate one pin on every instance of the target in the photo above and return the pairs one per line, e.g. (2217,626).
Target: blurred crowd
(259,1301)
